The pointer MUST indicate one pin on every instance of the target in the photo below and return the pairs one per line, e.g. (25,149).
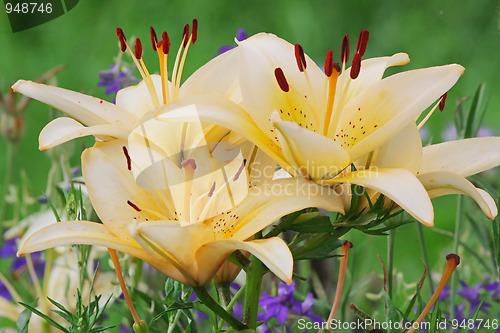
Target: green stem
(456,243)
(173,324)
(252,293)
(231,304)
(9,167)
(420,231)
(224,293)
(209,302)
(391,241)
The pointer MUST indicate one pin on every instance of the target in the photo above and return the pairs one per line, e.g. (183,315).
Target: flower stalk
(344,251)
(451,265)
(252,293)
(119,274)
(208,301)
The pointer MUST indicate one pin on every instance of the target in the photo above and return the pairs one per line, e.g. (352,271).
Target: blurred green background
(431,32)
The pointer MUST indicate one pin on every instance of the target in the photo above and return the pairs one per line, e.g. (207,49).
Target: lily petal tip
(16,85)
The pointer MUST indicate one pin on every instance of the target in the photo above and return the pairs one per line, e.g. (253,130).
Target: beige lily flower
(315,125)
(441,168)
(94,116)
(145,222)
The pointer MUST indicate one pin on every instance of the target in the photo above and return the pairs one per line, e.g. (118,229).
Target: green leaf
(44,316)
(172,291)
(315,225)
(476,112)
(393,313)
(23,321)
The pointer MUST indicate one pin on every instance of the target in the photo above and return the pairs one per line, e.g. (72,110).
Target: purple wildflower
(114,79)
(283,304)
(492,288)
(241,34)
(8,251)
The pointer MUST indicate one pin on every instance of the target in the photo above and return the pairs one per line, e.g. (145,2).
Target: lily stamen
(189,167)
(163,50)
(439,104)
(344,251)
(137,56)
(451,265)
(187,39)
(123,286)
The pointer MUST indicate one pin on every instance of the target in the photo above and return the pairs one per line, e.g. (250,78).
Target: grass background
(431,32)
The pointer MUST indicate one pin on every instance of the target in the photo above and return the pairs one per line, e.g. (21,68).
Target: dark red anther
(362,42)
(329,63)
(190,162)
(154,39)
(442,101)
(240,170)
(336,66)
(195,30)
(127,156)
(349,244)
(185,35)
(133,205)
(344,52)
(138,49)
(280,77)
(300,57)
(121,37)
(356,65)
(455,257)
(212,189)
(166,42)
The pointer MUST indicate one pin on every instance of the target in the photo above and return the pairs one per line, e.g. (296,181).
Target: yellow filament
(422,123)
(181,67)
(163,59)
(331,98)
(146,78)
(189,175)
(176,65)
(152,91)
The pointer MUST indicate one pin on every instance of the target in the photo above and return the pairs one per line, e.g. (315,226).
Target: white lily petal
(402,151)
(136,100)
(273,252)
(219,76)
(449,182)
(91,233)
(463,157)
(265,204)
(372,71)
(399,185)
(316,154)
(260,55)
(222,112)
(169,241)
(86,109)
(9,310)
(61,130)
(111,186)
(378,114)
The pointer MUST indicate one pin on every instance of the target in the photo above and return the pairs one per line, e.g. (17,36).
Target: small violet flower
(283,304)
(114,79)
(241,34)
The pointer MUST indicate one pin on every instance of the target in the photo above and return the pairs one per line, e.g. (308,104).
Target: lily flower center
(336,92)
(170,90)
